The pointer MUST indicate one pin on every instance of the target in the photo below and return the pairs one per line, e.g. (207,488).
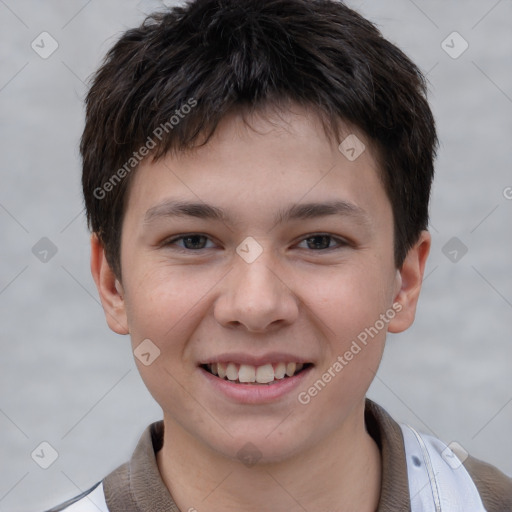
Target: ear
(109,288)
(409,280)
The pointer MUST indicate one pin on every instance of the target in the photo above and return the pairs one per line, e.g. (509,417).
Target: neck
(342,473)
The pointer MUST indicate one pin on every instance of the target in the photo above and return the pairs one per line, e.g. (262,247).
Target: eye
(322,242)
(198,242)
(192,242)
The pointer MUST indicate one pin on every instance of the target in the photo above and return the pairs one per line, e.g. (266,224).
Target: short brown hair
(212,57)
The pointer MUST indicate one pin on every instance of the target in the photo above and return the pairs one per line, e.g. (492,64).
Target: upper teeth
(260,374)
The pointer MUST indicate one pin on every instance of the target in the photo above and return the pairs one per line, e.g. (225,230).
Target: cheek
(355,308)
(161,300)
(167,316)
(352,298)
(355,339)
(165,305)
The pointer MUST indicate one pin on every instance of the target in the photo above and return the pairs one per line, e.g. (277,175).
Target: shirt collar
(138,486)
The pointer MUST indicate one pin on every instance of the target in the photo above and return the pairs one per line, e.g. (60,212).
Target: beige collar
(138,487)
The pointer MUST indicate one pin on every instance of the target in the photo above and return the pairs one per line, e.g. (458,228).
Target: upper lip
(244,358)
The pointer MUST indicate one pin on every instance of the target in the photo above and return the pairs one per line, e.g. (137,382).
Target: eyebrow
(175,208)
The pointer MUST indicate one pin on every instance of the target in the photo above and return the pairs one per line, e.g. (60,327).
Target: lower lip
(256,393)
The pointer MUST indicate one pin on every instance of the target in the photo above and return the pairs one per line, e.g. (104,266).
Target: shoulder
(92,500)
(455,476)
(141,472)
(495,487)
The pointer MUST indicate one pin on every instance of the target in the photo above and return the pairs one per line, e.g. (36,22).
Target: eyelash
(341,242)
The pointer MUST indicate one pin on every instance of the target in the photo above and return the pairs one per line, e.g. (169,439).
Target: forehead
(269,158)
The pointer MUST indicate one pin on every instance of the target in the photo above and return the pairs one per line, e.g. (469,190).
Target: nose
(257,296)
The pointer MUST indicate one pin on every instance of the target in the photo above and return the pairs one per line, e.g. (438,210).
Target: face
(264,248)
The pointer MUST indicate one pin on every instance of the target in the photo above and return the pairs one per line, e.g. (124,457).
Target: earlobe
(109,288)
(409,281)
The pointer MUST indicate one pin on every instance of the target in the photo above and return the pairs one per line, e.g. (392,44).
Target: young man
(257,178)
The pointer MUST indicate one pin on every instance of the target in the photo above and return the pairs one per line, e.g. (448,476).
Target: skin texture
(294,298)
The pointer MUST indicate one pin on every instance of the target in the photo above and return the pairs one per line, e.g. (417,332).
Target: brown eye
(323,242)
(193,242)
(319,242)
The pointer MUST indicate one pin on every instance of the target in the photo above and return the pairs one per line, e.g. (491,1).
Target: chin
(257,448)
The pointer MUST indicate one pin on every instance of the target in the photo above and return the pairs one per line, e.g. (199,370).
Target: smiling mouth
(248,374)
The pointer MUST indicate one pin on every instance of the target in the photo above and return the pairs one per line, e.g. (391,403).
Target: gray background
(66,379)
